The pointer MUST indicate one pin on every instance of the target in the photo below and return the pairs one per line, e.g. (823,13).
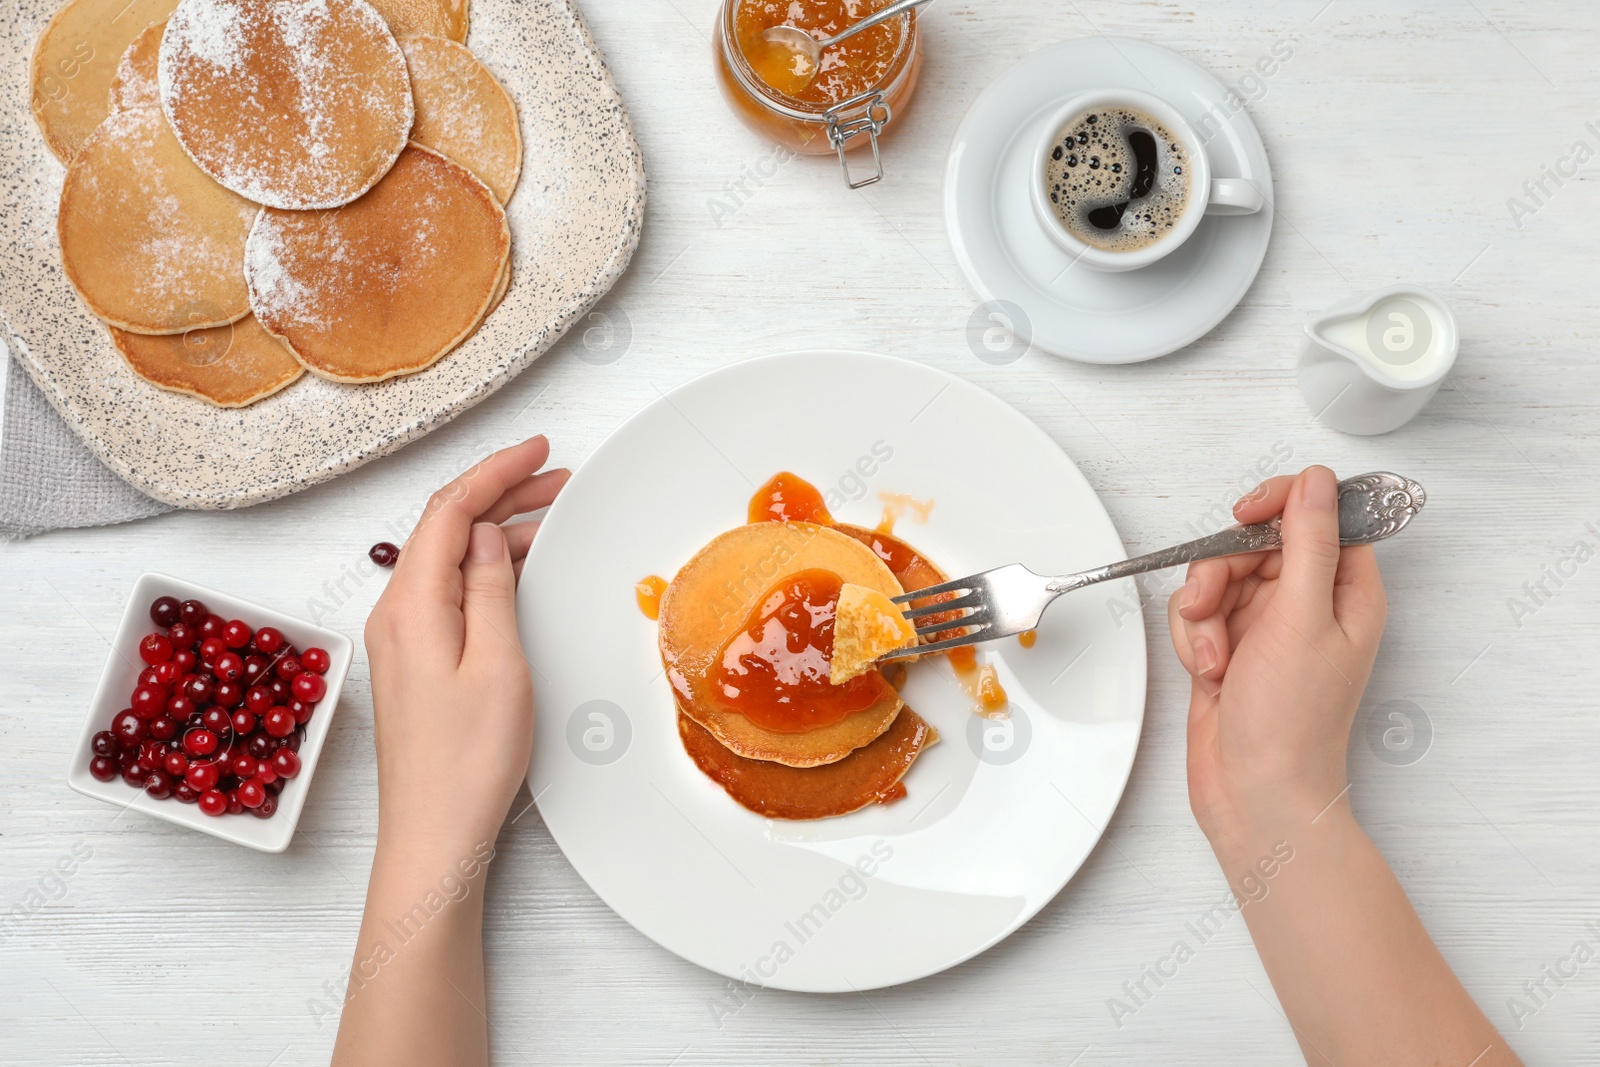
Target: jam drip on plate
(789,498)
(774,671)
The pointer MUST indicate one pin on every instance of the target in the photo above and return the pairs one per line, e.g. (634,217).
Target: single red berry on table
(211,649)
(229,666)
(163,727)
(192,613)
(309,687)
(164,611)
(128,728)
(183,636)
(286,763)
(236,633)
(213,802)
(155,649)
(202,776)
(200,742)
(316,660)
(288,666)
(212,626)
(279,722)
(228,694)
(301,710)
(104,768)
(104,743)
(252,793)
(149,701)
(384,554)
(268,640)
(158,784)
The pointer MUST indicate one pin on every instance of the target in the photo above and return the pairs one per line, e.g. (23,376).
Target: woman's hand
(1279,646)
(452,698)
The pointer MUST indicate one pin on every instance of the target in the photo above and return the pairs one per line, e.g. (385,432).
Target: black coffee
(1118,179)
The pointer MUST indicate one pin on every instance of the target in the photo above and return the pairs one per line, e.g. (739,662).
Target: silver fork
(1008,600)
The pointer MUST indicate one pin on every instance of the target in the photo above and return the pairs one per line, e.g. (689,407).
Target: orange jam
(774,672)
(647,591)
(848,69)
(981,682)
(776,94)
(789,498)
(1027,637)
(895,505)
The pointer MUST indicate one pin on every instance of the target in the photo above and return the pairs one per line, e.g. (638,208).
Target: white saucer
(979,843)
(1073,311)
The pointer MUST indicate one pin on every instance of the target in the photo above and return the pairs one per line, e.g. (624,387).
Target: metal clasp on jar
(873,115)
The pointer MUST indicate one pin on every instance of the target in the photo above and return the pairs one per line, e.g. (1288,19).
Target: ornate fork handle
(1371,507)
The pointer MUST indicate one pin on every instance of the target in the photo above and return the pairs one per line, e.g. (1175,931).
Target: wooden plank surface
(1398,133)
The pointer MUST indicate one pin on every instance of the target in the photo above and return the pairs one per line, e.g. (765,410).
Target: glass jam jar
(860,85)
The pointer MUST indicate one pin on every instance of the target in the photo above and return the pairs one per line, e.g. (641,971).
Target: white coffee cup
(1208,195)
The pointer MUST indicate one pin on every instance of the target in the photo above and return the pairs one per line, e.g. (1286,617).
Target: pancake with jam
(746,637)
(869,775)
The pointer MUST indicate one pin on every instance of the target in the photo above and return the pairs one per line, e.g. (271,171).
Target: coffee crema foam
(1118,179)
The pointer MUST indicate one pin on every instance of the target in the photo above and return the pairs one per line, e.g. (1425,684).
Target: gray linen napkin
(48,479)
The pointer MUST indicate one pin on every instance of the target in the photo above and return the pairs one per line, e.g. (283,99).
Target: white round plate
(978,845)
(1071,310)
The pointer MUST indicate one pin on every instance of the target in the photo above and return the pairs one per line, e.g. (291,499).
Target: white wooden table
(1397,133)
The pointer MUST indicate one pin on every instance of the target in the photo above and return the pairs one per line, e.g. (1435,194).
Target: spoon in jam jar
(796,56)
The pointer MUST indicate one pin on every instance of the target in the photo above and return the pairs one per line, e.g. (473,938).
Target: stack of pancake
(802,772)
(255,188)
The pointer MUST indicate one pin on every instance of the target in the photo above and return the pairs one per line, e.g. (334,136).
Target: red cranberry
(168,673)
(258,699)
(229,666)
(261,745)
(164,611)
(252,793)
(266,774)
(192,613)
(244,766)
(149,701)
(210,649)
(316,660)
(255,668)
(301,710)
(235,805)
(134,774)
(128,728)
(264,810)
(104,768)
(186,659)
(236,634)
(181,707)
(155,649)
(158,784)
(286,763)
(269,639)
(228,694)
(212,626)
(202,776)
(163,727)
(280,690)
(200,742)
(149,676)
(292,742)
(175,764)
(185,793)
(151,753)
(244,723)
(217,720)
(198,688)
(288,667)
(128,757)
(275,787)
(183,636)
(103,743)
(279,722)
(384,554)
(309,687)
(194,722)
(213,802)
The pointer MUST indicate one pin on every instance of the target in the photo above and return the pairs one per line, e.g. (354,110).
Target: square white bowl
(121,674)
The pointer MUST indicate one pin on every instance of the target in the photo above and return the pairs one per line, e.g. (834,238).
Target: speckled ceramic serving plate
(575,221)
